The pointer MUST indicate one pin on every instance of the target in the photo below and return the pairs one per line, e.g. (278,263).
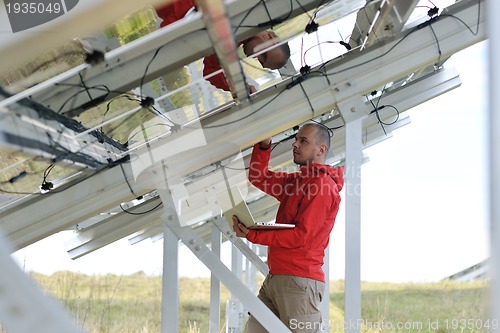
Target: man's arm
(316,216)
(174,11)
(211,65)
(272,183)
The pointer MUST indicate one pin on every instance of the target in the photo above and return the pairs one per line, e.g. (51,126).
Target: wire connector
(312,27)
(46,186)
(270,23)
(147,102)
(346,45)
(305,70)
(19,176)
(433,11)
(94,58)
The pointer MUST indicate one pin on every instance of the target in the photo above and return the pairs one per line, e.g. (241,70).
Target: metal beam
(170,283)
(272,111)
(352,190)
(87,17)
(493,7)
(114,228)
(403,98)
(214,325)
(203,253)
(380,19)
(124,68)
(89,197)
(35,130)
(220,32)
(24,308)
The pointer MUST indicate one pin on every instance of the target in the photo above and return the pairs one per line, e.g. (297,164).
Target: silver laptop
(232,203)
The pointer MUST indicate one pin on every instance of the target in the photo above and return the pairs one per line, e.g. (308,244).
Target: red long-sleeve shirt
(176,11)
(309,199)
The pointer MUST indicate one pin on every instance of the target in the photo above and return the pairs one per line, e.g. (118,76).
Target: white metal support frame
(493,25)
(23,307)
(325,303)
(220,32)
(214,326)
(203,253)
(352,189)
(170,283)
(240,245)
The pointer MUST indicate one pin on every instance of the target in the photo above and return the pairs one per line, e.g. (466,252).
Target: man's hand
(265,142)
(239,228)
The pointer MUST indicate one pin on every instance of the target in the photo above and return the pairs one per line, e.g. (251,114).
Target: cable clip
(433,11)
(305,70)
(312,27)
(94,58)
(147,102)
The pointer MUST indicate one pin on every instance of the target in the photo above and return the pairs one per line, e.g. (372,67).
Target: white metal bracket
(217,267)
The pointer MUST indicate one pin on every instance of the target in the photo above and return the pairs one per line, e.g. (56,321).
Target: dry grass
(133,304)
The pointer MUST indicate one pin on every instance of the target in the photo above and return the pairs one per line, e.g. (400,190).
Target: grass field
(133,303)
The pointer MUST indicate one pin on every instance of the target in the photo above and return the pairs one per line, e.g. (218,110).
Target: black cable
(271,22)
(249,115)
(465,24)
(105,167)
(96,87)
(20,193)
(317,10)
(307,97)
(85,90)
(14,179)
(382,123)
(147,68)
(437,43)
(85,86)
(161,115)
(305,11)
(140,131)
(126,181)
(240,25)
(344,44)
(420,26)
(373,59)
(267,11)
(141,213)
(47,186)
(108,105)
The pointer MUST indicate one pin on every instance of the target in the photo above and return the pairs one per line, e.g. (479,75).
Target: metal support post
(353,161)
(493,25)
(238,243)
(215,285)
(23,307)
(217,267)
(325,303)
(170,283)
(234,312)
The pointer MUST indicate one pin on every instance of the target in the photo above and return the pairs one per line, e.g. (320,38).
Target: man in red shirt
(272,59)
(309,199)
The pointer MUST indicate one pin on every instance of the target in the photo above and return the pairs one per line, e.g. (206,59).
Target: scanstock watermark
(25,15)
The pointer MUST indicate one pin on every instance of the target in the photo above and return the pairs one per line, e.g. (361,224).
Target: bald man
(309,199)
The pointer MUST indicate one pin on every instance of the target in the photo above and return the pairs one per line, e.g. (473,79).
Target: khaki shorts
(294,300)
